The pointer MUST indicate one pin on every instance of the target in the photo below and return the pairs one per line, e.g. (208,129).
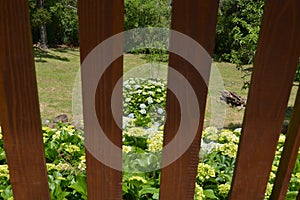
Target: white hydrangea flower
(131,115)
(127,86)
(150,100)
(127,100)
(160,111)
(143,106)
(143,111)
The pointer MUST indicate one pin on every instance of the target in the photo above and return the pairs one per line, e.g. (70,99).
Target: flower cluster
(136,132)
(144,100)
(205,172)
(138,178)
(155,142)
(199,195)
(224,189)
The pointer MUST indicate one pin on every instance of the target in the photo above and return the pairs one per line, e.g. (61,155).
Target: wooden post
(99,20)
(275,65)
(289,154)
(19,107)
(196,19)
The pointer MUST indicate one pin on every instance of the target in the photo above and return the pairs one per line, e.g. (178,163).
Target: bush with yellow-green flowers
(217,159)
(65,162)
(142,147)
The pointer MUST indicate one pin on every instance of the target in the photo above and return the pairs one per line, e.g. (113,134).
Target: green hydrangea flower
(224,189)
(136,132)
(4,171)
(126,149)
(137,178)
(205,172)
(210,134)
(199,195)
(155,143)
(72,148)
(269,189)
(228,136)
(281,138)
(229,149)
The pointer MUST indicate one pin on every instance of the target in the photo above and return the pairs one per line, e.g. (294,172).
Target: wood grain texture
(289,154)
(99,20)
(19,106)
(275,65)
(196,19)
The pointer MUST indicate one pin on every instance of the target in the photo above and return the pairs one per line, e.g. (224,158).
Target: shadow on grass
(233,126)
(284,129)
(40,55)
(73,51)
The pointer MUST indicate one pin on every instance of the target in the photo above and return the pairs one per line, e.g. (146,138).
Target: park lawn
(57,69)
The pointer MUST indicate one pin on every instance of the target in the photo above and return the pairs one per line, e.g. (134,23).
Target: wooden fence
(275,65)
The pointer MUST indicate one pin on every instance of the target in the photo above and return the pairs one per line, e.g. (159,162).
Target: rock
(61,118)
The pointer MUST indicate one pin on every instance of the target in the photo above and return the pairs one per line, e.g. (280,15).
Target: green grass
(57,68)
(56,71)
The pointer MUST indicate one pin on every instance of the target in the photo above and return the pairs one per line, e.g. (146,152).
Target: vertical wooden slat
(289,154)
(274,69)
(99,20)
(196,19)
(19,106)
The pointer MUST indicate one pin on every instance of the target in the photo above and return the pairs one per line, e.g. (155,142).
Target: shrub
(142,148)
(144,101)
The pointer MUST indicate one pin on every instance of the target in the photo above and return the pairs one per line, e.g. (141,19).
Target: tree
(39,18)
(43,30)
(54,21)
(237,32)
(147,13)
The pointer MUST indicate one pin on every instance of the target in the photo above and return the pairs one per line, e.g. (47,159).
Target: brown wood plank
(19,106)
(275,64)
(98,20)
(196,19)
(289,154)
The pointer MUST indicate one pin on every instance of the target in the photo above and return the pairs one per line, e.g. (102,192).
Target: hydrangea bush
(216,167)
(144,100)
(143,124)
(64,150)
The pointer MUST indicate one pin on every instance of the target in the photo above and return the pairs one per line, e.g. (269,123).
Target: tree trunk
(43,30)
(43,36)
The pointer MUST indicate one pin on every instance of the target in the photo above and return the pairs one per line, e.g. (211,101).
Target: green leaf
(149,190)
(292,194)
(80,186)
(210,194)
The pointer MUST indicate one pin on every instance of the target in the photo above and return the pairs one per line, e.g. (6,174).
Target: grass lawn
(57,68)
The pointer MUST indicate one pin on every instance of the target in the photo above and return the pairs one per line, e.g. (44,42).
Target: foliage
(60,18)
(66,168)
(217,158)
(65,157)
(147,13)
(65,14)
(237,32)
(40,17)
(141,153)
